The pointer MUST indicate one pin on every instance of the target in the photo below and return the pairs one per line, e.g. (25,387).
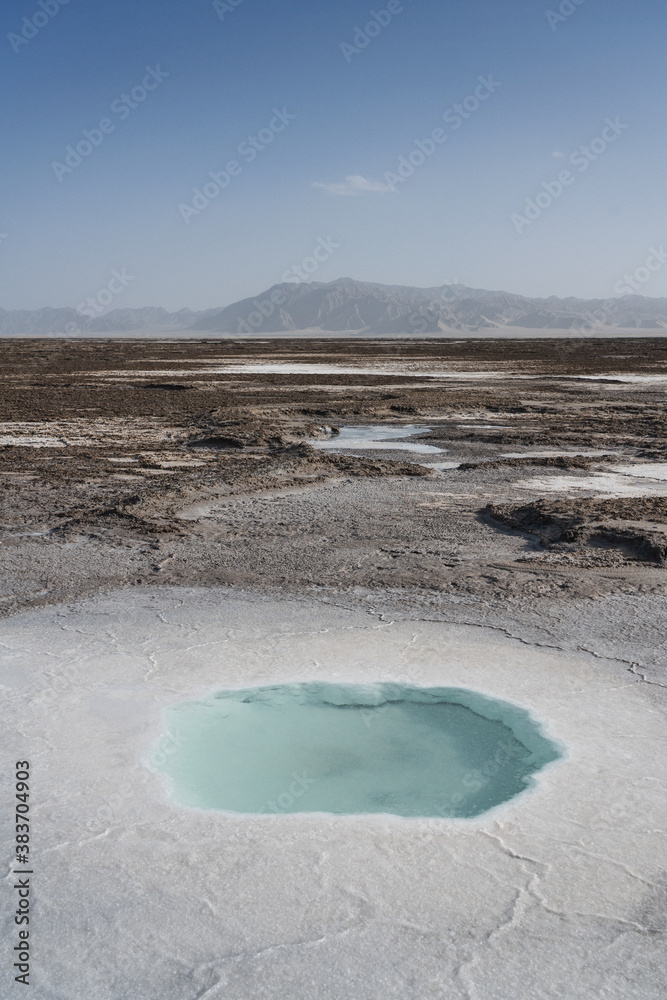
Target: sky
(186,153)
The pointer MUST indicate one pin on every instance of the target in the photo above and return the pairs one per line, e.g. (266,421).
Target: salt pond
(383,748)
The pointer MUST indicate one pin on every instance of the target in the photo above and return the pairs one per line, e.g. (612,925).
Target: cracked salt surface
(556,893)
(84,433)
(378,437)
(624,481)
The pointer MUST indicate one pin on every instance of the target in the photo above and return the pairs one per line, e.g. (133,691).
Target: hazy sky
(314,117)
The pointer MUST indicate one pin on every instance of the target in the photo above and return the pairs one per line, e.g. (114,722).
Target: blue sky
(338,112)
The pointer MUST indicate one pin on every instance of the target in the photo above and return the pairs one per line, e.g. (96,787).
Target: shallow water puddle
(441,466)
(377,437)
(378,748)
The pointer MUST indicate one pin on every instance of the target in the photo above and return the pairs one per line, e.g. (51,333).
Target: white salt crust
(556,894)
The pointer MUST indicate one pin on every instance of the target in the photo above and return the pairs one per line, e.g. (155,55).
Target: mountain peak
(348,306)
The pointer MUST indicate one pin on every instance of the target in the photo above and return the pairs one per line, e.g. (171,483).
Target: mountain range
(348,307)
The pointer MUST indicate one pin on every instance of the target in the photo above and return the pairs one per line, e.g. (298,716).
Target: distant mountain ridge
(346,306)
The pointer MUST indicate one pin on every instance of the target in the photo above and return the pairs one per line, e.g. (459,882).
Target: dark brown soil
(617,521)
(131,433)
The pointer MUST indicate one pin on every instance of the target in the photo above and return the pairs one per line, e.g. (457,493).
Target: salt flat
(506,570)
(556,893)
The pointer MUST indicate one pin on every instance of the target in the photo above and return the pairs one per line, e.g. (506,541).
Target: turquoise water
(379,748)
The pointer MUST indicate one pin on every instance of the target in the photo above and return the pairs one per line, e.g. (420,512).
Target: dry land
(173,462)
(182,516)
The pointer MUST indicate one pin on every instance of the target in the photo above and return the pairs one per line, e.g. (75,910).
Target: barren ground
(142,462)
(182,486)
